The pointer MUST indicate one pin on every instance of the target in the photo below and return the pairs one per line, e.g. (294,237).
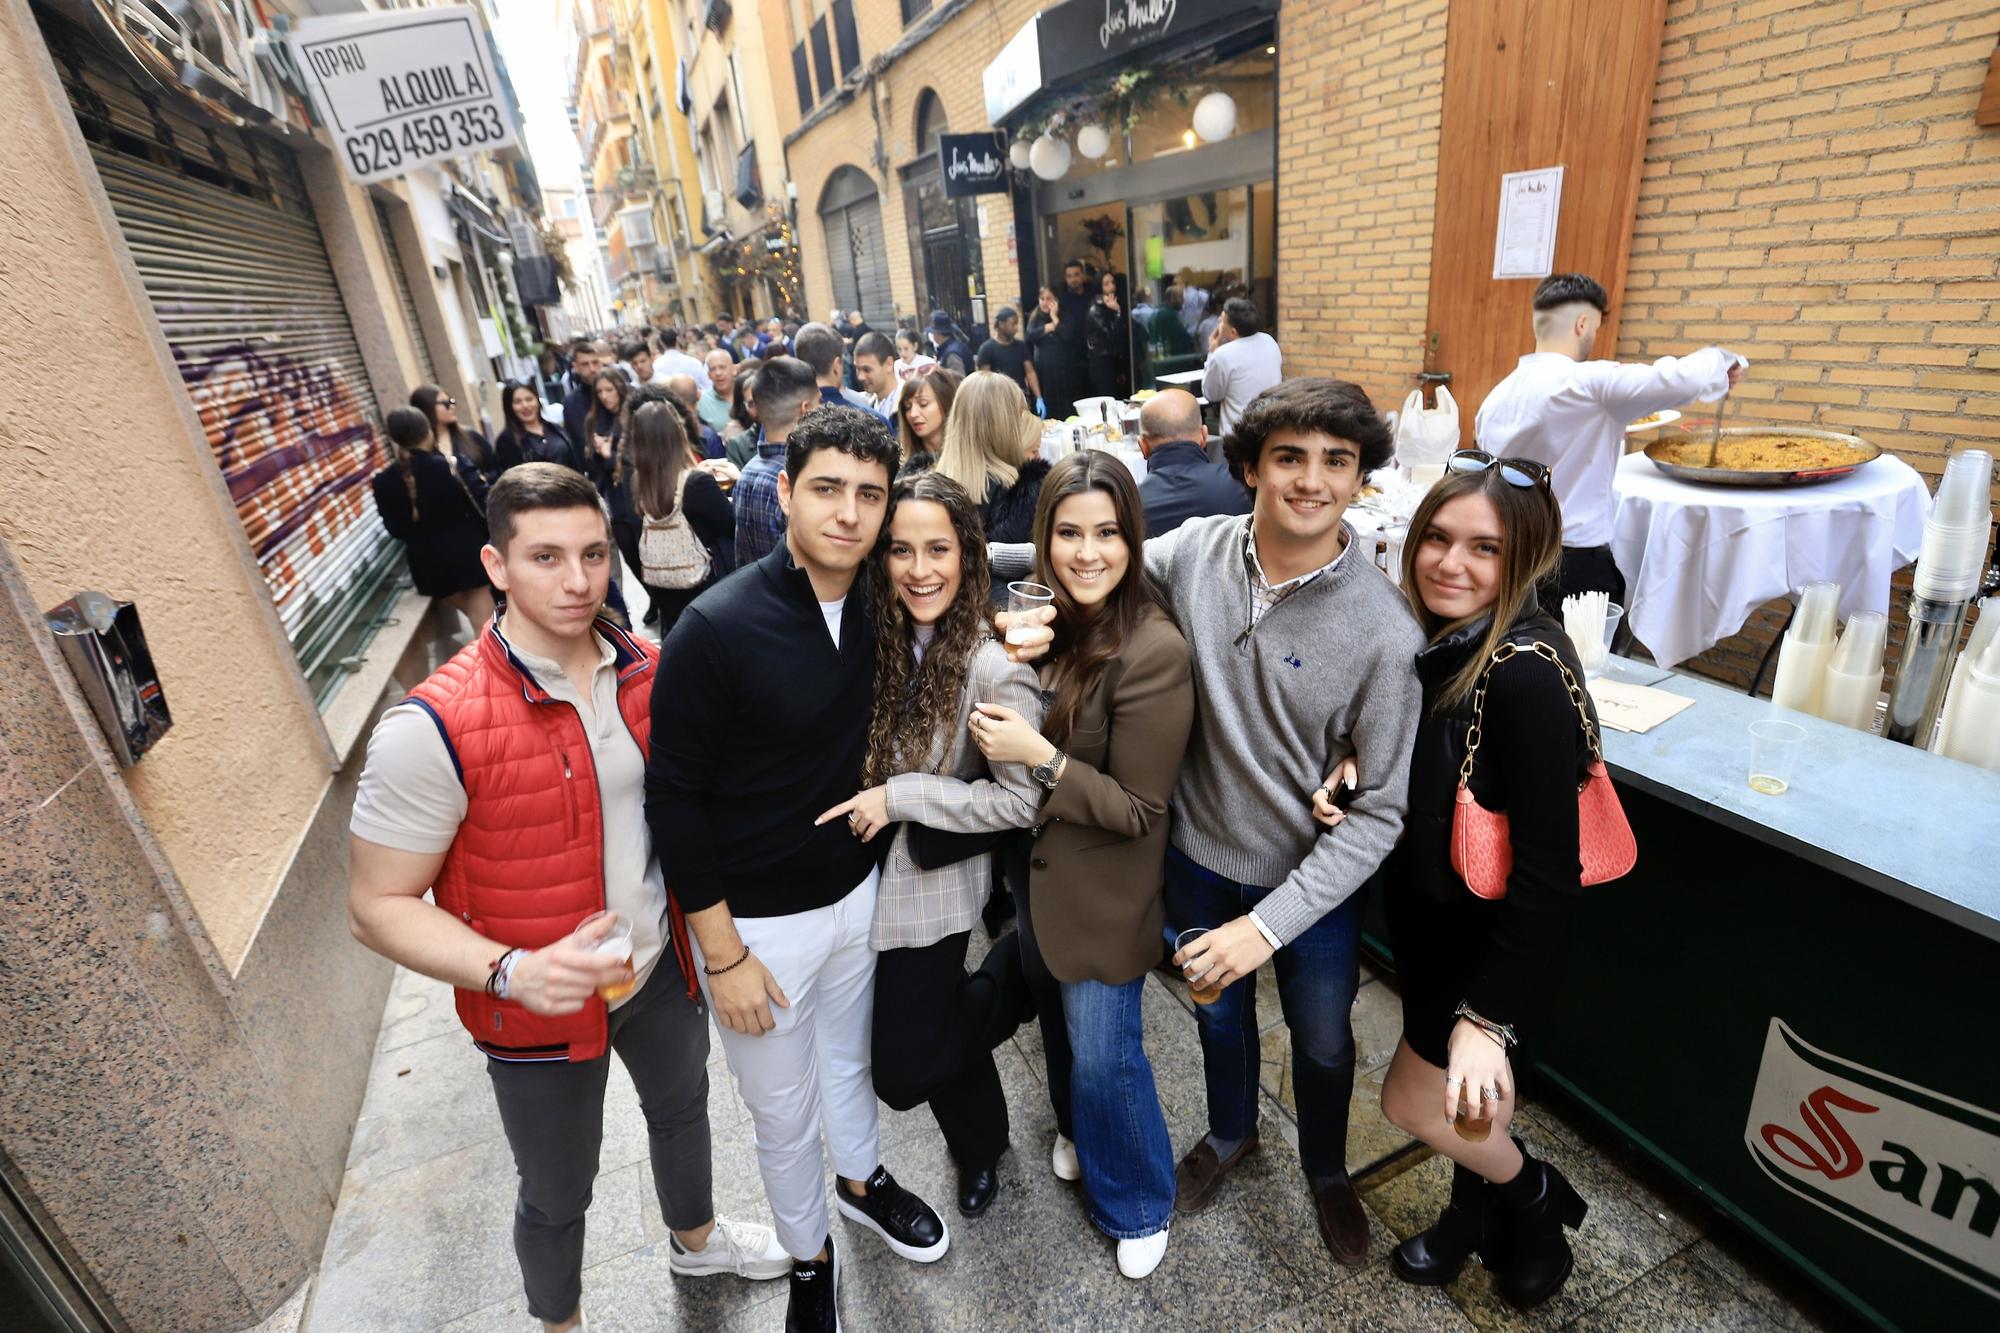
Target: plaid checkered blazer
(960,794)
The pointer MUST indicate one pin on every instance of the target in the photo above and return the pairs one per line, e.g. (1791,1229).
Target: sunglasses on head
(1523,472)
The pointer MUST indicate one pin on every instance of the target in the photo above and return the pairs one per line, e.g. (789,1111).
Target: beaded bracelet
(718,971)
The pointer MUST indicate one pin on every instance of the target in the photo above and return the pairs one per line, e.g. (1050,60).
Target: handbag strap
(1501,654)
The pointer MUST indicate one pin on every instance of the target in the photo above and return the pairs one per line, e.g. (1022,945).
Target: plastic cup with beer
(1468,1124)
(1022,597)
(1210,993)
(617,942)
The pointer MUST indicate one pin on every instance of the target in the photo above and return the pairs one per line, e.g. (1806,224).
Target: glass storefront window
(1168,127)
(1189,253)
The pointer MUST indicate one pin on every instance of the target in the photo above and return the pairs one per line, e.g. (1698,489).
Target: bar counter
(1792,1001)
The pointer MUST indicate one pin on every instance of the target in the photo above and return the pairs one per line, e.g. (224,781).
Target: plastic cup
(1964,497)
(1204,994)
(1467,1124)
(1819,606)
(1860,648)
(1774,755)
(617,942)
(1025,597)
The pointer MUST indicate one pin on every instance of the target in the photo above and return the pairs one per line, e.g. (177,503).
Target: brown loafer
(1343,1223)
(1200,1174)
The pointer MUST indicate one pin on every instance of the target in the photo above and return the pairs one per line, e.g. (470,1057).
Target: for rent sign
(1917,1169)
(404,88)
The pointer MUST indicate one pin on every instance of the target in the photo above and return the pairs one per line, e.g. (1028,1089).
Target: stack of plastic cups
(1956,537)
(1975,728)
(1854,674)
(1808,645)
(1954,741)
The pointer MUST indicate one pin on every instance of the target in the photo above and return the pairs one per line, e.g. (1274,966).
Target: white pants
(810,1073)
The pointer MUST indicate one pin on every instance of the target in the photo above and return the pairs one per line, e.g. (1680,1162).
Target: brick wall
(1817,195)
(1359,93)
(949,62)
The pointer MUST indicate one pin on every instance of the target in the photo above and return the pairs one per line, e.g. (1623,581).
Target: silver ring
(1490,1094)
(1452,1080)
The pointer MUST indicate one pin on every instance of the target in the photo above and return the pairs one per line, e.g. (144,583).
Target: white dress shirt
(1572,416)
(1238,371)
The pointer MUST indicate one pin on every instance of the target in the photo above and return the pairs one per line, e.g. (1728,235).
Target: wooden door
(1531,84)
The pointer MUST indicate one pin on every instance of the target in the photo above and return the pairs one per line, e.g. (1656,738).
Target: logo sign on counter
(972,164)
(400,89)
(1917,1169)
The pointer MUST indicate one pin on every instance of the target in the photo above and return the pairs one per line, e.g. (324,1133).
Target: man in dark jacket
(1181,483)
(948,344)
(585,360)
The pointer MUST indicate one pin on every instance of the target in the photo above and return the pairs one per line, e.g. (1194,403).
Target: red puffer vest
(528,862)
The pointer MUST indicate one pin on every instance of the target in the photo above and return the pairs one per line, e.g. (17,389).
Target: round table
(1698,559)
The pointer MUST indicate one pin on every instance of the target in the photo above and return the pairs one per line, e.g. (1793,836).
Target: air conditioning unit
(637,224)
(716,17)
(714,211)
(749,179)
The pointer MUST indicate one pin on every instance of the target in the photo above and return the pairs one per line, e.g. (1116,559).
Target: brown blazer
(1094,874)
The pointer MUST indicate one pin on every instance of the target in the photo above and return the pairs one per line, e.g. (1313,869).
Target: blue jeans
(1121,1133)
(1317,976)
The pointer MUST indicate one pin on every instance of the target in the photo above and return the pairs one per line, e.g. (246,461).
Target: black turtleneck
(760,724)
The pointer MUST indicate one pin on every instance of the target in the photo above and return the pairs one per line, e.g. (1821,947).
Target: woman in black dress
(528,437)
(1055,363)
(435,506)
(1108,340)
(1476,974)
(440,409)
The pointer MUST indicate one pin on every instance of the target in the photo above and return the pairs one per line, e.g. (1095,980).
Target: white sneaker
(1062,1160)
(1139,1257)
(745,1249)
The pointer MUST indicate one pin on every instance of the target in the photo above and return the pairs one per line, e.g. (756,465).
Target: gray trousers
(554,1116)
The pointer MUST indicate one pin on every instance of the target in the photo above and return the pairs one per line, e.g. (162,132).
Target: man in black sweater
(763,727)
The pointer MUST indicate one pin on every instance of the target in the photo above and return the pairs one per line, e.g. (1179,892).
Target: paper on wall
(1524,244)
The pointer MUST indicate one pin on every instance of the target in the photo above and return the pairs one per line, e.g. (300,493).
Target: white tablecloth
(1698,560)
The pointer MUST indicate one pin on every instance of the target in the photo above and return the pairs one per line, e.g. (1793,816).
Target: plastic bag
(1426,435)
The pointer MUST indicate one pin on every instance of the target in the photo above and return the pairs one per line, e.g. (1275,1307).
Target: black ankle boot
(1434,1257)
(1535,1206)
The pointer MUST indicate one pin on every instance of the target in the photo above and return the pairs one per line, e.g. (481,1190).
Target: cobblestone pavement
(420,1240)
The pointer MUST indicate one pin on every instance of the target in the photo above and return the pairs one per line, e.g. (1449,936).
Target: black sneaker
(910,1226)
(814,1306)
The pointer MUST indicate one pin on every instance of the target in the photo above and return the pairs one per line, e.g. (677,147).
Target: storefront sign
(1917,1169)
(403,89)
(1016,73)
(972,164)
(1078,36)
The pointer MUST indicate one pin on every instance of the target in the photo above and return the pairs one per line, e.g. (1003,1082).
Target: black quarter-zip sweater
(759,725)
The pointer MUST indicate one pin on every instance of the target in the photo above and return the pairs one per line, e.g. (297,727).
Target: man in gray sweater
(1303,655)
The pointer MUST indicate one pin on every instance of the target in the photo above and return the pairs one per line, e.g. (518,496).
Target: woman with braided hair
(436,506)
(926,783)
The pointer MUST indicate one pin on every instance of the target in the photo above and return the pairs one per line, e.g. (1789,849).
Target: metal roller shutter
(385,224)
(221,229)
(857,251)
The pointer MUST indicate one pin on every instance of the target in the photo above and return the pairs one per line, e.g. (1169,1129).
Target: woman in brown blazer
(1120,705)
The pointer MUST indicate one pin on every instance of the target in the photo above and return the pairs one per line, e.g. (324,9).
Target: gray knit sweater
(1328,672)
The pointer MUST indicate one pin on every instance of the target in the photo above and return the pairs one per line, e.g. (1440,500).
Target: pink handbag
(1482,852)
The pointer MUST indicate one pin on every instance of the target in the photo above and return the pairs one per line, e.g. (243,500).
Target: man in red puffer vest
(510,785)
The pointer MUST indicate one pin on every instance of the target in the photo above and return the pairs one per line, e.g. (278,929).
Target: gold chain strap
(1501,654)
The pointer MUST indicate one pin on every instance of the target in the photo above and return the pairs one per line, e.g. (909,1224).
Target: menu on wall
(1524,245)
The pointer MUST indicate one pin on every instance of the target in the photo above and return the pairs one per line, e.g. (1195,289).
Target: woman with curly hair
(926,781)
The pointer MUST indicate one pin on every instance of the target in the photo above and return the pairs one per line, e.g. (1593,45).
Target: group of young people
(796,804)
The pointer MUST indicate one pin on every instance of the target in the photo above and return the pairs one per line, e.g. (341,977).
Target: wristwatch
(1045,772)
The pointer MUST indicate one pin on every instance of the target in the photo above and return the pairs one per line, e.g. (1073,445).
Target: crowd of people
(841,756)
